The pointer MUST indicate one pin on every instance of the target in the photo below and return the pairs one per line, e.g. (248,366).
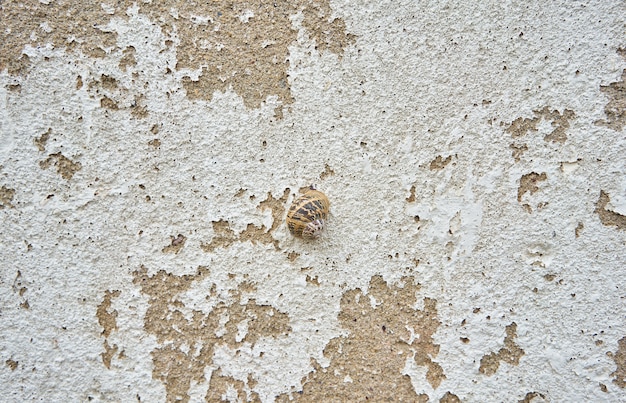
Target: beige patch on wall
(65,166)
(619,357)
(510,353)
(187,338)
(240,45)
(75,26)
(6,197)
(246,45)
(439,163)
(12,364)
(107,319)
(615,109)
(224,236)
(19,287)
(533,397)
(384,331)
(559,121)
(608,217)
(41,141)
(528,183)
(176,244)
(449,398)
(518,151)
(222,385)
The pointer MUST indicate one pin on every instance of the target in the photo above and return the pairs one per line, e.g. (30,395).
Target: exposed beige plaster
(249,53)
(608,217)
(239,45)
(449,398)
(176,244)
(65,166)
(106,318)
(560,121)
(518,151)
(615,109)
(579,229)
(225,236)
(20,288)
(510,353)
(107,355)
(187,342)
(528,183)
(411,197)
(367,364)
(41,141)
(292,256)
(327,172)
(12,364)
(6,197)
(128,60)
(108,321)
(533,397)
(619,375)
(62,23)
(220,389)
(439,163)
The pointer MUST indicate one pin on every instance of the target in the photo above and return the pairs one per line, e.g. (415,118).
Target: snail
(307,215)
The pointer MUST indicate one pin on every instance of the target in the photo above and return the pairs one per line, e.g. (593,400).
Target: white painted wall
(421,80)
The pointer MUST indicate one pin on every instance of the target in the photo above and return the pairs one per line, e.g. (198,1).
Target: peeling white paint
(410,89)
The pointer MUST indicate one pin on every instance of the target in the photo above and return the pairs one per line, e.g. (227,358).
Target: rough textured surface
(474,155)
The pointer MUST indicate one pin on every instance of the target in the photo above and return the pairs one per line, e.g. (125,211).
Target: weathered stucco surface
(474,154)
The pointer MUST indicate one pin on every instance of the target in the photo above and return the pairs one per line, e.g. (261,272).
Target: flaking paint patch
(108,354)
(70,25)
(381,338)
(608,217)
(188,338)
(313,280)
(292,256)
(533,397)
(107,319)
(619,375)
(116,96)
(510,353)
(226,388)
(449,398)
(411,197)
(559,121)
(528,183)
(615,109)
(12,364)
(176,244)
(65,166)
(224,236)
(248,55)
(439,163)
(129,59)
(19,288)
(41,141)
(6,197)
(518,151)
(328,171)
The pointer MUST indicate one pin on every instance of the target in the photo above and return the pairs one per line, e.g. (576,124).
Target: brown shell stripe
(311,206)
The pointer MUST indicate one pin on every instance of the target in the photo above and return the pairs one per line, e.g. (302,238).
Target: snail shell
(307,215)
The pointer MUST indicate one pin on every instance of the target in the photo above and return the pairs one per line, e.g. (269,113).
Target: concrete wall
(474,154)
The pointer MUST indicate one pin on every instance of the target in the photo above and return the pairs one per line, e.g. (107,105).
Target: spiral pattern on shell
(308,213)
